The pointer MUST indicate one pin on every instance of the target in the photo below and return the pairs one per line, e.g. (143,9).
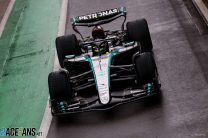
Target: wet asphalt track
(180,41)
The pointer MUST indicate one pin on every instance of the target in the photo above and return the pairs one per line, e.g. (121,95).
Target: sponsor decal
(19,131)
(98,15)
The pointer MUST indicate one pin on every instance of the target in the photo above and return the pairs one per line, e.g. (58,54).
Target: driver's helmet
(100,48)
(98,32)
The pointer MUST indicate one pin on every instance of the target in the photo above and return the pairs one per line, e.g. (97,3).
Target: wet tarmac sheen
(180,41)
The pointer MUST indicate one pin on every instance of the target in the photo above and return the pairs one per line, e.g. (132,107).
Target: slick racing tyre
(59,87)
(145,67)
(67,45)
(138,31)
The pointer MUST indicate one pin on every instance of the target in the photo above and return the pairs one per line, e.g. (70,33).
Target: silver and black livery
(104,70)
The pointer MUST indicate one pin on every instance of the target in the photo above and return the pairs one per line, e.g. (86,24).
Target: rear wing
(98,18)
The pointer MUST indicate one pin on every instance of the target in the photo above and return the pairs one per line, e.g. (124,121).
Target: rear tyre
(59,87)
(145,67)
(67,45)
(138,31)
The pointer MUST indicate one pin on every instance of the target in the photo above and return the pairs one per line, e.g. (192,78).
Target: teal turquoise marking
(88,59)
(123,10)
(130,43)
(73,20)
(149,88)
(109,63)
(62,106)
(102,73)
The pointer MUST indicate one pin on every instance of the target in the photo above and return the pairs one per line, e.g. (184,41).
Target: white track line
(6,16)
(47,118)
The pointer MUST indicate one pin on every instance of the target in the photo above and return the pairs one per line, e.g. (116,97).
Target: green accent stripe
(109,64)
(91,65)
(149,88)
(73,20)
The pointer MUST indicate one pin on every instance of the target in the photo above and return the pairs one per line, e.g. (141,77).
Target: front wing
(80,104)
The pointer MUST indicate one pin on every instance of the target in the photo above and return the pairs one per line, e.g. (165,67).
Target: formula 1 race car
(104,70)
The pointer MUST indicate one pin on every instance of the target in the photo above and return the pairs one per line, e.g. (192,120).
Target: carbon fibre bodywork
(123,86)
(105,73)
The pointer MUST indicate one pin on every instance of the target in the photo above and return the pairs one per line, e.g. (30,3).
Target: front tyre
(145,67)
(59,87)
